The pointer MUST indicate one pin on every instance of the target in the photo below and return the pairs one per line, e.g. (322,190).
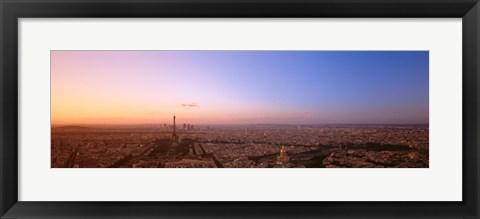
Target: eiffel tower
(174,134)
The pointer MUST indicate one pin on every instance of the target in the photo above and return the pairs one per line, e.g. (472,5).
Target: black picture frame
(12,10)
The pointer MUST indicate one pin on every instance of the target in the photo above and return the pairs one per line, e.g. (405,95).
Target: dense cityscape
(240,146)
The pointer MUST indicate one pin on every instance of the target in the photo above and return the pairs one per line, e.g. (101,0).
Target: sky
(239,87)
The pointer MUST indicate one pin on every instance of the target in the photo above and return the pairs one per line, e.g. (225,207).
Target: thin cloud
(189,105)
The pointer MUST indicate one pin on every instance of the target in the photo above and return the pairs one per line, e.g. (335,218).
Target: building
(283,158)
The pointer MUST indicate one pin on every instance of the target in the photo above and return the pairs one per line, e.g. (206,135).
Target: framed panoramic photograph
(228,109)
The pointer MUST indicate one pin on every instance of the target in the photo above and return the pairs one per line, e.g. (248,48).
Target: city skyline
(239,87)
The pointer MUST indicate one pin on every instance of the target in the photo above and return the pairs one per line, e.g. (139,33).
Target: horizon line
(124,124)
